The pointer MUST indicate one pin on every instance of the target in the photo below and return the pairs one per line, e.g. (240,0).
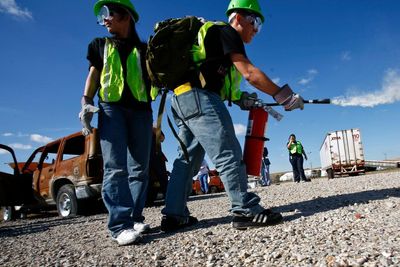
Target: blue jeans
(125,138)
(266,179)
(297,166)
(205,126)
(203,182)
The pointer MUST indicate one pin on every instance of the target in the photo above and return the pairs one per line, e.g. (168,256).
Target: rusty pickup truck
(67,172)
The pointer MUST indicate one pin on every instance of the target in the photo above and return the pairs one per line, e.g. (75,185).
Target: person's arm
(95,58)
(282,95)
(254,75)
(289,144)
(92,83)
(88,109)
(304,153)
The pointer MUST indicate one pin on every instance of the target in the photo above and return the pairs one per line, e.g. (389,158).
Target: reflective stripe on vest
(112,76)
(296,148)
(231,81)
(154,92)
(232,85)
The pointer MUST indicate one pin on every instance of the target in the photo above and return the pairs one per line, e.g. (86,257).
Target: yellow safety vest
(112,76)
(231,88)
(296,148)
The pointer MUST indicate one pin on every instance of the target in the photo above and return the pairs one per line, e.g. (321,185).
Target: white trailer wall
(342,151)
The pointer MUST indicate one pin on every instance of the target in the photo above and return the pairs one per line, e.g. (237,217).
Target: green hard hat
(248,5)
(125,3)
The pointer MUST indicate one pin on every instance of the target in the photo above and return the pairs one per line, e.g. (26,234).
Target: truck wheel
(213,189)
(330,173)
(67,203)
(23,215)
(199,192)
(9,213)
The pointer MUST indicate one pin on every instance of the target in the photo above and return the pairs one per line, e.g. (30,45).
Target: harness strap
(183,146)
(159,120)
(158,128)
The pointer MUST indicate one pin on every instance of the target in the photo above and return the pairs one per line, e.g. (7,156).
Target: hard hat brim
(99,4)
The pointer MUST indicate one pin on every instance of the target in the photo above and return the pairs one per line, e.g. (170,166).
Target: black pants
(297,165)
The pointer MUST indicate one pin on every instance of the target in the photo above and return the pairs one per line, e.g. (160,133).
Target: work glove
(247,101)
(86,114)
(287,98)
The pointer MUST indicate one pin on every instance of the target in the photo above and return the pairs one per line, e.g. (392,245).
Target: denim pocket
(189,104)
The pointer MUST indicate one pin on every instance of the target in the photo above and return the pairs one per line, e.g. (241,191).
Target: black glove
(247,101)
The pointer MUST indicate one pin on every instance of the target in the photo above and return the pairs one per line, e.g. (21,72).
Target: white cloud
(7,110)
(240,129)
(389,93)
(22,134)
(7,134)
(40,138)
(3,151)
(311,73)
(305,81)
(345,56)
(20,146)
(11,7)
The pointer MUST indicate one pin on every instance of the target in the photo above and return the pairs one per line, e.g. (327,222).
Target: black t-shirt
(265,152)
(95,56)
(220,42)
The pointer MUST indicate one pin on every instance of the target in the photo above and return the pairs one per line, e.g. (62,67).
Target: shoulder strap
(158,127)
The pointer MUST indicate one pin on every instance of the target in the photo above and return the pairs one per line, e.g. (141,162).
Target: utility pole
(309,158)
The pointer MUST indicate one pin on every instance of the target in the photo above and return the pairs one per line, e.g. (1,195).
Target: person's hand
(247,101)
(305,156)
(291,140)
(295,102)
(287,98)
(86,115)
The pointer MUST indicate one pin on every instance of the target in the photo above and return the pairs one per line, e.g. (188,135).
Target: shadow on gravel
(26,227)
(161,202)
(323,204)
(156,233)
(207,196)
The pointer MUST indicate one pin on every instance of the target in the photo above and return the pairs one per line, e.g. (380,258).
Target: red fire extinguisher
(254,142)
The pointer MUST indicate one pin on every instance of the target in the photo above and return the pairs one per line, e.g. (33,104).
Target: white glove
(287,98)
(86,116)
(247,101)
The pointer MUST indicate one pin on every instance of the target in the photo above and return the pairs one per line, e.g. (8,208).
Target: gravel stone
(348,221)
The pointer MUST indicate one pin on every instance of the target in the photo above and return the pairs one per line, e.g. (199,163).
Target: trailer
(342,153)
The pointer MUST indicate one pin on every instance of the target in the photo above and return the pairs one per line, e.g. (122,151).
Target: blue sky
(343,50)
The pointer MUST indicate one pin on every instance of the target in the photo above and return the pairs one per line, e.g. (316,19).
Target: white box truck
(342,153)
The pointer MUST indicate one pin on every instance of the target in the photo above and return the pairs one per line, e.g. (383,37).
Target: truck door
(46,168)
(15,188)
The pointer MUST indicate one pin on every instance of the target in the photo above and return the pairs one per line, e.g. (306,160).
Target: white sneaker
(127,237)
(141,227)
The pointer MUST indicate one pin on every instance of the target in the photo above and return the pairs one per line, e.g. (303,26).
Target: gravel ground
(351,221)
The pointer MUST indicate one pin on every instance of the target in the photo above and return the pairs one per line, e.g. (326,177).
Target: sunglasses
(105,13)
(255,21)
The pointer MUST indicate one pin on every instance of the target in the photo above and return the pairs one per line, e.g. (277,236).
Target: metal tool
(276,115)
(311,101)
